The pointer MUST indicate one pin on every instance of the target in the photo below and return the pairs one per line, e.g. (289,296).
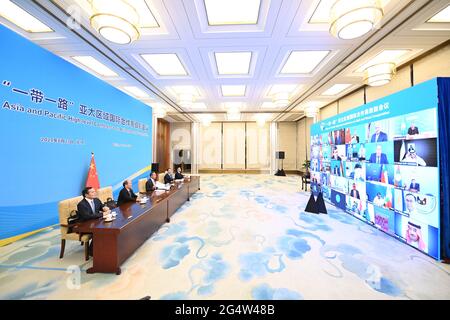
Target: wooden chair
(104,193)
(141,185)
(65,207)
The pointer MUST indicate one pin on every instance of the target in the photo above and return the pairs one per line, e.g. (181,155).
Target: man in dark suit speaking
(150,185)
(378,136)
(127,194)
(414,186)
(378,157)
(91,207)
(354,193)
(168,177)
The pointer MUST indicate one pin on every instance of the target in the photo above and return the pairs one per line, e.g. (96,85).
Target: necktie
(378,159)
(92,205)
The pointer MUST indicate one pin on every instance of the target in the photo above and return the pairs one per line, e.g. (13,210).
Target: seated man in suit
(414,186)
(378,136)
(91,207)
(378,157)
(168,177)
(178,174)
(127,194)
(354,193)
(150,185)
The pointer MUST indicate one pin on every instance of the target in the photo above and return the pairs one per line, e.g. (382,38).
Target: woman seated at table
(178,174)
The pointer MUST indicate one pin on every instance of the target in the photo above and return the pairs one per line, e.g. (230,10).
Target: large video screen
(379,162)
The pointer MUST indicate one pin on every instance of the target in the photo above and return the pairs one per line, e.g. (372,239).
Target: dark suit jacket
(125,196)
(85,210)
(415,186)
(354,194)
(179,175)
(381,137)
(383,158)
(168,178)
(149,185)
(413,131)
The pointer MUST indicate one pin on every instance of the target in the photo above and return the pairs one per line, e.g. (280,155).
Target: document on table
(162,186)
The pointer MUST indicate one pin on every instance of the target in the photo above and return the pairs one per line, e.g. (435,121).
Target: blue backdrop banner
(52,116)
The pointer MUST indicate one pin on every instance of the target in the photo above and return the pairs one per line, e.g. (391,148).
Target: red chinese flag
(92,178)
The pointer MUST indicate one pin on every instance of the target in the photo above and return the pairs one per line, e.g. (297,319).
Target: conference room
(225,150)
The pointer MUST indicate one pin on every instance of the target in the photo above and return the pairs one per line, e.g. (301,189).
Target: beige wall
(210,146)
(180,137)
(328,111)
(436,64)
(233,145)
(258,146)
(287,142)
(301,143)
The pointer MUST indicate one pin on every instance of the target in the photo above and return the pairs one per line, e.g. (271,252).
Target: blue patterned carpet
(241,237)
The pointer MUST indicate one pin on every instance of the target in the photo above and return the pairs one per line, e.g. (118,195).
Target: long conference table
(117,240)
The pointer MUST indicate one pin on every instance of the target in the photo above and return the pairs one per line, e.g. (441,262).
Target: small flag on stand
(92,178)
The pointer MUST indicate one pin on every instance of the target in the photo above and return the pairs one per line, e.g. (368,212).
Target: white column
(195,126)
(312,111)
(273,146)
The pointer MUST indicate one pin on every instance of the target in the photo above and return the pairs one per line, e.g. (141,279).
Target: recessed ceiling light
(138,93)
(165,64)
(277,88)
(233,63)
(303,61)
(21,18)
(335,89)
(230,12)
(95,65)
(441,16)
(233,90)
(146,17)
(384,56)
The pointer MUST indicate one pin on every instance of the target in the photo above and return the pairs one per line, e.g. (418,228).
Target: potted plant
(306,164)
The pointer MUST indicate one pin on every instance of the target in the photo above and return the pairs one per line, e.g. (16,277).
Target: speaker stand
(280,172)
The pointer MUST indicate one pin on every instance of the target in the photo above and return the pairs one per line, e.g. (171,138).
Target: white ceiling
(283,27)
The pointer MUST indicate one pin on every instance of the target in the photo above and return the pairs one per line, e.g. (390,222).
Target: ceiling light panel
(95,65)
(232,12)
(385,56)
(301,62)
(336,89)
(165,64)
(233,63)
(442,16)
(146,17)
(233,90)
(22,18)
